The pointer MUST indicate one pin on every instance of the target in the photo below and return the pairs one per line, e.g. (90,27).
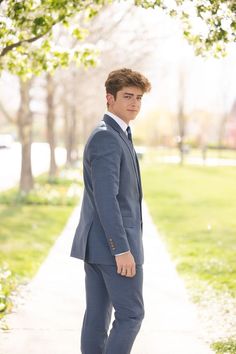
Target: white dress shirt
(123,126)
(119,121)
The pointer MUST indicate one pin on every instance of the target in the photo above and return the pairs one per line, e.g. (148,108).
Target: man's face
(127,103)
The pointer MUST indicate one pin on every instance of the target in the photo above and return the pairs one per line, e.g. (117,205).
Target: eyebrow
(131,94)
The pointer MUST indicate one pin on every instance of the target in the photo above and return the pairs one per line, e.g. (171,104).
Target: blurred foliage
(207,25)
(225,347)
(30,30)
(60,190)
(6,286)
(29,33)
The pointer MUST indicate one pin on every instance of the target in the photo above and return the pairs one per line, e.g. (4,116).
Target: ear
(110,99)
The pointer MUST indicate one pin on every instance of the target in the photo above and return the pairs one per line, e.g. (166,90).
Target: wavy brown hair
(118,79)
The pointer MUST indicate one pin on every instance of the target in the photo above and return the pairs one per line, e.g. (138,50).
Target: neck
(111,111)
(116,117)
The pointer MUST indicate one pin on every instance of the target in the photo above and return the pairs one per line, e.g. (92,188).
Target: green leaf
(2,306)
(80,33)
(39,21)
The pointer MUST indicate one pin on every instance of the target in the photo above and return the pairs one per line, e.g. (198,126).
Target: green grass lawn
(195,211)
(160,152)
(26,234)
(29,227)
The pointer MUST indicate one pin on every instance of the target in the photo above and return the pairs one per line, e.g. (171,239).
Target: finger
(133,270)
(123,271)
(129,272)
(119,268)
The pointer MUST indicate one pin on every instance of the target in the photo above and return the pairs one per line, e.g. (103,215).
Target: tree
(29,30)
(209,25)
(28,34)
(51,125)
(30,45)
(124,38)
(71,105)
(25,122)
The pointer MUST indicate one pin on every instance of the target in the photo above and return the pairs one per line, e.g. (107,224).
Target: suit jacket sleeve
(104,153)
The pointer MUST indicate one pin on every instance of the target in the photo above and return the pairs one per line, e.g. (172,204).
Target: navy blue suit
(110,223)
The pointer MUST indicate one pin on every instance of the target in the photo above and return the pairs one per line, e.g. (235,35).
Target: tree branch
(17,44)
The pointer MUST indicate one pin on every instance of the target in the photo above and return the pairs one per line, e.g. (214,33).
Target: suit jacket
(111,216)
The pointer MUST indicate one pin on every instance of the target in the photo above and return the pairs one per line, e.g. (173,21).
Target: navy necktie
(129,134)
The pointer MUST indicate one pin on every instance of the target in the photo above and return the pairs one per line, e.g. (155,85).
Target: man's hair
(118,79)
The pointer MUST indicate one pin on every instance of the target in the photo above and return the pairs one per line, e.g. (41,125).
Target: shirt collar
(118,120)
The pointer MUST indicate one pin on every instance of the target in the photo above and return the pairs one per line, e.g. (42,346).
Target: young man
(109,235)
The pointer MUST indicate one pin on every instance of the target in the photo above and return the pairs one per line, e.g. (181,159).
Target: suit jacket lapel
(139,175)
(107,119)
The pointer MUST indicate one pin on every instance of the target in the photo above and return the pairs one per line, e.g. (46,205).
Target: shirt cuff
(119,254)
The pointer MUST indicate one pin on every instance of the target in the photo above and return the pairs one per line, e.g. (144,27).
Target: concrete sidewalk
(49,321)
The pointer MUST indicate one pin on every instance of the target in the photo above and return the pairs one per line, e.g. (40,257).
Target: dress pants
(106,289)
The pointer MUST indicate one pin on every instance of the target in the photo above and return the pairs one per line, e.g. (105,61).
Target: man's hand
(126,265)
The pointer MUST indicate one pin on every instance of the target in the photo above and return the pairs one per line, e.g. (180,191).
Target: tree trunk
(51,127)
(221,134)
(70,114)
(181,119)
(181,126)
(24,122)
(72,154)
(70,135)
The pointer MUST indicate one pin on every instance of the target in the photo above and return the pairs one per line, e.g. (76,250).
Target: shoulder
(102,135)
